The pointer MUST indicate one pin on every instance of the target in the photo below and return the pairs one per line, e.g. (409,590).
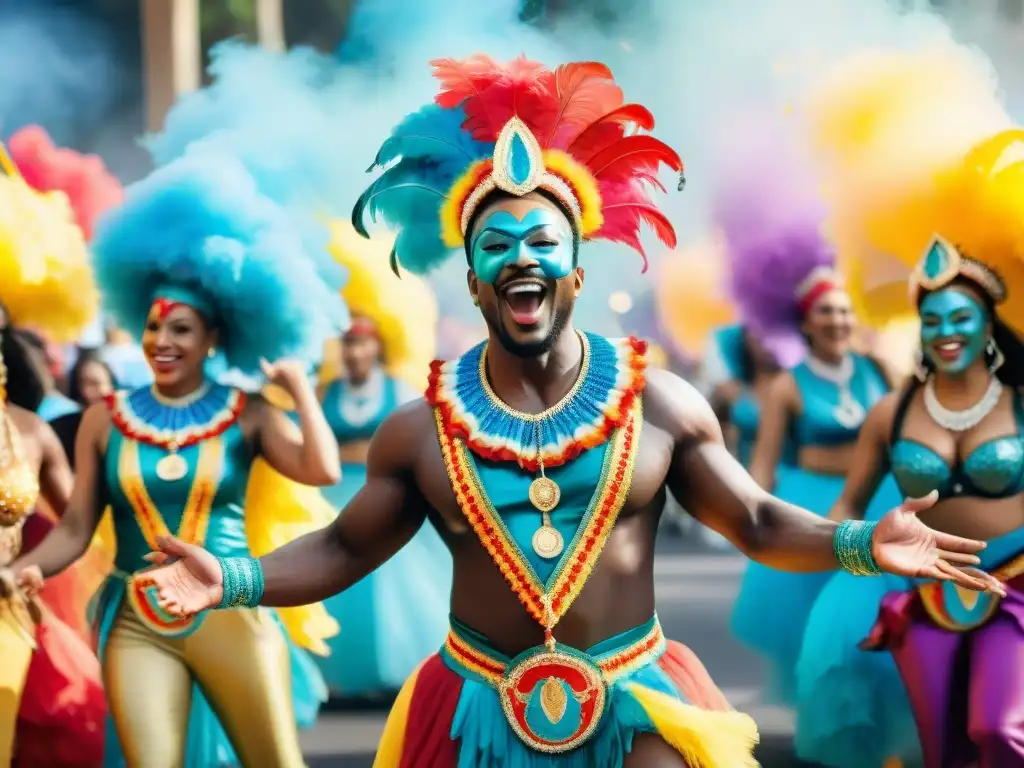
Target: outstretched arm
(713,487)
(383,516)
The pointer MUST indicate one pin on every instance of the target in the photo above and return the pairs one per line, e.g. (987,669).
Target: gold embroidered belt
(553,699)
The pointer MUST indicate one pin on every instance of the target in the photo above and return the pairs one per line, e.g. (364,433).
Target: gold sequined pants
(15,655)
(240,660)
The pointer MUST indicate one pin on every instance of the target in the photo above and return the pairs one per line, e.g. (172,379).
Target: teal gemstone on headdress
(936,261)
(517,163)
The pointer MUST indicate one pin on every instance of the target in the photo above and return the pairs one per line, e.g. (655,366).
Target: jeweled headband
(943,263)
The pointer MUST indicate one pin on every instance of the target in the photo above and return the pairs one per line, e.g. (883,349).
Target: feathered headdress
(402,313)
(90,187)
(922,177)
(517,128)
(45,279)
(771,219)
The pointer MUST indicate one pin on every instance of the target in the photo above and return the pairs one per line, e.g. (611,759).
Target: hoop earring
(996,357)
(921,371)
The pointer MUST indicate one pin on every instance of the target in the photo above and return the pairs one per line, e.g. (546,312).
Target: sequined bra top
(993,470)
(19,484)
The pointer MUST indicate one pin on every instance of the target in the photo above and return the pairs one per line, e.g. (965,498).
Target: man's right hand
(187,578)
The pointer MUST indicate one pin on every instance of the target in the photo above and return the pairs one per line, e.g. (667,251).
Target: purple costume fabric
(966,688)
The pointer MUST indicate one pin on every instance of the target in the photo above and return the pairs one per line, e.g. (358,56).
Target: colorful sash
(960,610)
(541,682)
(194,522)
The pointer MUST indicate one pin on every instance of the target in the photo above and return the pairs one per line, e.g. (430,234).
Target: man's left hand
(905,546)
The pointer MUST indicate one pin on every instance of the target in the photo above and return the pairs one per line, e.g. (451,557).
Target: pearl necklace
(961,421)
(849,412)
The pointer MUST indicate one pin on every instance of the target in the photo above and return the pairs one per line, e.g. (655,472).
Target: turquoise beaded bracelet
(852,546)
(243,582)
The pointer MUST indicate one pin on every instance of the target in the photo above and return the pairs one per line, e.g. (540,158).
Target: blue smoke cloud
(61,69)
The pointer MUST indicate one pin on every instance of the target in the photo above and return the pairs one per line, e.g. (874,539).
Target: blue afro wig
(202,224)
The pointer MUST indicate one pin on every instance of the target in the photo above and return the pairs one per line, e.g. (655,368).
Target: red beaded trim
(129,425)
(615,413)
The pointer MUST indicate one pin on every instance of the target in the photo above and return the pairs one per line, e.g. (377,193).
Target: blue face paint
(542,237)
(947,316)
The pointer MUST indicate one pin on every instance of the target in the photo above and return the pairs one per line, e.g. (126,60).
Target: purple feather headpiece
(771,219)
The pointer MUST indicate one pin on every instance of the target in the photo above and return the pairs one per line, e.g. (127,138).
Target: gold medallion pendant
(547,541)
(171,467)
(545,493)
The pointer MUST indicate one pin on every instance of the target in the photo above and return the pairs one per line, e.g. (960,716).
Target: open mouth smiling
(525,299)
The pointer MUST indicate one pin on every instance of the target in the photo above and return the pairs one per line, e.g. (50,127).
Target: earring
(995,356)
(211,353)
(921,367)
(476,301)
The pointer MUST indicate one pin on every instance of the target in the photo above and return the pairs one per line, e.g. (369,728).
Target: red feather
(609,128)
(626,207)
(585,91)
(626,158)
(466,79)
(90,187)
(491,93)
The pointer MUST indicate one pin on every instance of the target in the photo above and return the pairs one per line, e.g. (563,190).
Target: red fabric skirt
(63,711)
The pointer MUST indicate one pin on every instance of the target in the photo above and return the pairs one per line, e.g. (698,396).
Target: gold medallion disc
(545,494)
(547,542)
(171,467)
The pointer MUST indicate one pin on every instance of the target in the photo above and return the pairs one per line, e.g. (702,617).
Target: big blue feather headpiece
(230,221)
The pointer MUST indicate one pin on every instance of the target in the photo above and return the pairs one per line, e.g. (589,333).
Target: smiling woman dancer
(229,283)
(790,295)
(952,214)
(51,698)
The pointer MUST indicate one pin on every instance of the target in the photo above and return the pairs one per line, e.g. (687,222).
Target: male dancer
(539,452)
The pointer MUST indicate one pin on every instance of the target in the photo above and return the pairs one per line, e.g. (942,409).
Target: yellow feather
(403,309)
(704,738)
(46,281)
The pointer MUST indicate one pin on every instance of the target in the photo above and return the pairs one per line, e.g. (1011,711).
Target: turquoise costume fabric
(395,617)
(771,611)
(852,705)
(485,737)
(208,744)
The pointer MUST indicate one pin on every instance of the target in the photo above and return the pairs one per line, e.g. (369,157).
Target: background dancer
(398,615)
(952,216)
(51,698)
(785,284)
(230,284)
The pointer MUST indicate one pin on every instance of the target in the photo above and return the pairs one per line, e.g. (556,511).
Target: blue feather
(434,134)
